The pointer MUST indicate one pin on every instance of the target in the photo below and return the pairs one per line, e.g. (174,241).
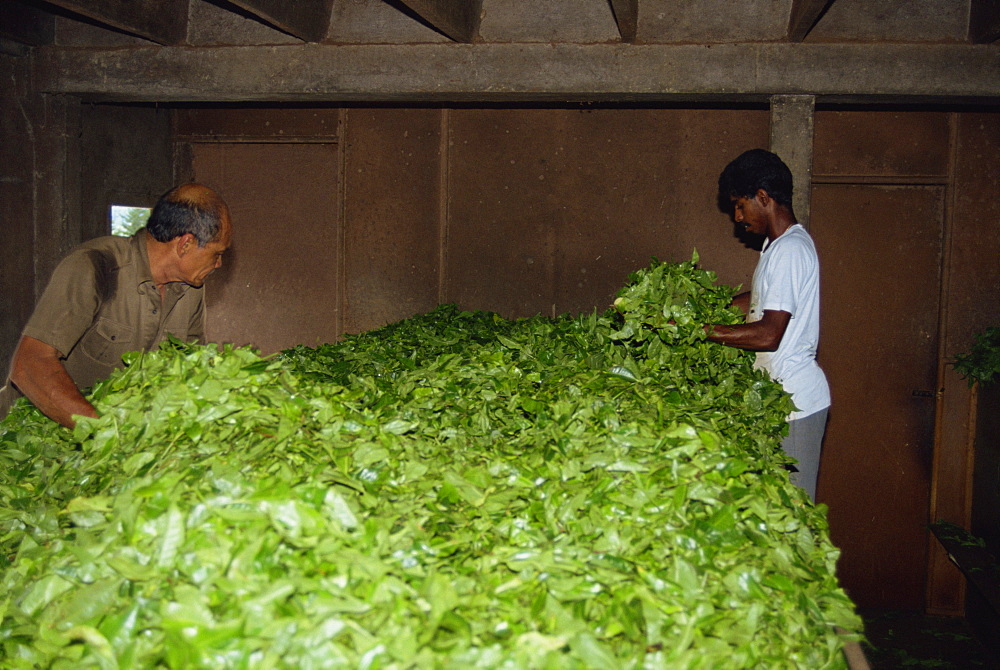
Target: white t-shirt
(787,280)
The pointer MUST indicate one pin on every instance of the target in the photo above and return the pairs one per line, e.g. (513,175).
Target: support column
(792,139)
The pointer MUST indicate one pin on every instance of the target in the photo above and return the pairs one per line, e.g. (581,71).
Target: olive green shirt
(102,302)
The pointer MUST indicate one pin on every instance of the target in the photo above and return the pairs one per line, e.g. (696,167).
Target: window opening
(125,220)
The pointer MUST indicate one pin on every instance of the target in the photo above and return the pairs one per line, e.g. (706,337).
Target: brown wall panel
(392,215)
(881,144)
(550,210)
(878,346)
(278,283)
(501,238)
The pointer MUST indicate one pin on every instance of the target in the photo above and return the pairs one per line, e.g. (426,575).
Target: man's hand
(39,374)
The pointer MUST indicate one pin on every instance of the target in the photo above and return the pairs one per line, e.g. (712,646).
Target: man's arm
(762,335)
(39,374)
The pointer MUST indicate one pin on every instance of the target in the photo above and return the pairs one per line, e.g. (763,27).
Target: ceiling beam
(162,21)
(627,18)
(984,21)
(458,19)
(526,72)
(309,20)
(804,16)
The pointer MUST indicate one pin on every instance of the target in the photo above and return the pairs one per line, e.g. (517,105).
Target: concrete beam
(526,72)
(804,15)
(458,19)
(792,139)
(306,19)
(627,18)
(162,21)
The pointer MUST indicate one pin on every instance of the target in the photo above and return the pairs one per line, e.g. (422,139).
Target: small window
(126,220)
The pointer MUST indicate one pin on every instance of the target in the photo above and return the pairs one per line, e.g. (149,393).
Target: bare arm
(39,374)
(763,335)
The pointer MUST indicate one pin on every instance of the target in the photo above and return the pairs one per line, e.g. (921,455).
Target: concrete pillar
(792,139)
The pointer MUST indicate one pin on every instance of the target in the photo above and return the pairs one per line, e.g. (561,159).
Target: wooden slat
(627,17)
(984,21)
(308,20)
(803,17)
(458,19)
(162,21)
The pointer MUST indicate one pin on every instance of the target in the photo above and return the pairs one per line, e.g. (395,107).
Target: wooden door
(880,254)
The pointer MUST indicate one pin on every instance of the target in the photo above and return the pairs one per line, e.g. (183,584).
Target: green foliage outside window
(125,221)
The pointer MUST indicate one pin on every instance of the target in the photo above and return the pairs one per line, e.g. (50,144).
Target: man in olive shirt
(114,294)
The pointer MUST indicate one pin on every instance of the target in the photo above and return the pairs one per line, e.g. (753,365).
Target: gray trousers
(804,443)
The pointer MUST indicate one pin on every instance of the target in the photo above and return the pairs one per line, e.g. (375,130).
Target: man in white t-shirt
(782,307)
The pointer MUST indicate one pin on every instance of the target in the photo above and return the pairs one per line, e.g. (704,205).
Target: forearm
(39,374)
(743,336)
(762,335)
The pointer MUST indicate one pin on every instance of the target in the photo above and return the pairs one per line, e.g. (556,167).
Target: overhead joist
(525,72)
(458,19)
(162,21)
(627,18)
(308,20)
(803,17)
(984,21)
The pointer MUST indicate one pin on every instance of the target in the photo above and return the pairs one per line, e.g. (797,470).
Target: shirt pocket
(106,341)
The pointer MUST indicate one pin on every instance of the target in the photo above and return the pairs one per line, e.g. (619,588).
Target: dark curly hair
(756,169)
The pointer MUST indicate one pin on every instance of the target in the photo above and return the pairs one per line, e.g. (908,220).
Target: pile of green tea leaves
(454,490)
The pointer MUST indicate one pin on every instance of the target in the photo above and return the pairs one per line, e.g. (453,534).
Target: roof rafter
(984,21)
(804,16)
(162,21)
(458,19)
(25,24)
(308,20)
(627,18)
